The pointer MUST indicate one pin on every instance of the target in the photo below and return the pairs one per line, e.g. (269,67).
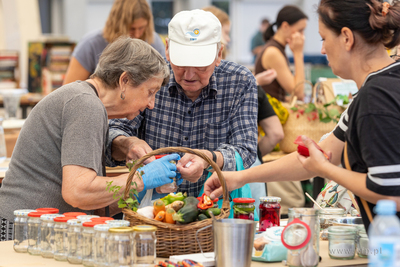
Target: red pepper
(303,150)
(205,202)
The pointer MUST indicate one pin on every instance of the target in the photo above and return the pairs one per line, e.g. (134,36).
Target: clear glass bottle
(118,223)
(362,242)
(326,217)
(88,243)
(342,242)
(47,234)
(74,255)
(120,246)
(61,238)
(100,252)
(34,232)
(144,245)
(243,208)
(270,212)
(21,230)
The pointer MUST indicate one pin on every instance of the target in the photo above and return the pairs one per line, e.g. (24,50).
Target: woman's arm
(75,72)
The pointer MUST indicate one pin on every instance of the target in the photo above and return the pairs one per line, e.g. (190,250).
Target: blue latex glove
(159,172)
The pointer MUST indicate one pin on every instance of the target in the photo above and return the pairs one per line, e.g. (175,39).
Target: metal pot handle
(198,242)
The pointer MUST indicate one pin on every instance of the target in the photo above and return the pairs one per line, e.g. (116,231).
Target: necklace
(96,85)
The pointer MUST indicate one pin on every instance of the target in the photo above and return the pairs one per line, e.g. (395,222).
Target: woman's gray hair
(135,57)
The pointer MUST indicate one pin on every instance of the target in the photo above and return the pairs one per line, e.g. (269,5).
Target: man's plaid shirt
(223,118)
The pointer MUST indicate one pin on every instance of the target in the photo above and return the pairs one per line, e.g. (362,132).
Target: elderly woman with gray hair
(58,159)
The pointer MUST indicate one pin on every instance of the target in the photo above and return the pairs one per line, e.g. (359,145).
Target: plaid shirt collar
(209,91)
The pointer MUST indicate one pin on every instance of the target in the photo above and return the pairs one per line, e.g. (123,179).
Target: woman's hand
(296,42)
(316,162)
(266,77)
(159,172)
(213,188)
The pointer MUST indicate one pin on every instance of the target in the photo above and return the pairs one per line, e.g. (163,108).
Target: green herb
(131,201)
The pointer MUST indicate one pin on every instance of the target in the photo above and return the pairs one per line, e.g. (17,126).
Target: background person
(367,131)
(58,160)
(291,23)
(209,104)
(257,42)
(127,17)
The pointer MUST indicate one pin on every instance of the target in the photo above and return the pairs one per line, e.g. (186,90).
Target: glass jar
(118,223)
(100,251)
(61,238)
(47,234)
(47,210)
(73,214)
(342,242)
(21,230)
(34,232)
(87,243)
(301,237)
(243,208)
(144,245)
(270,212)
(362,242)
(326,217)
(74,233)
(120,246)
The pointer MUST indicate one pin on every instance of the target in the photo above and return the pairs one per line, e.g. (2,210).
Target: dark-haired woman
(290,23)
(355,35)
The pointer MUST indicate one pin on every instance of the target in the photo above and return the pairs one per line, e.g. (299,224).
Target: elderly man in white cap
(209,104)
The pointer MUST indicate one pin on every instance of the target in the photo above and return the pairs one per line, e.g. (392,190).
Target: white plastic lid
(74,222)
(50,217)
(270,199)
(22,212)
(118,223)
(86,217)
(102,227)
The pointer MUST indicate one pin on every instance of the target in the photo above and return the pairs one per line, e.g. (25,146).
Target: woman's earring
(123,95)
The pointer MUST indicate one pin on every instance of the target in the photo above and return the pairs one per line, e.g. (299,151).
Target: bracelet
(209,168)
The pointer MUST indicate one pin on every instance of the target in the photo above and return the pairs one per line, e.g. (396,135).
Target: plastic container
(47,234)
(342,242)
(100,251)
(34,232)
(144,245)
(61,238)
(74,255)
(243,208)
(384,236)
(270,212)
(120,246)
(21,230)
(118,223)
(88,243)
(362,242)
(47,210)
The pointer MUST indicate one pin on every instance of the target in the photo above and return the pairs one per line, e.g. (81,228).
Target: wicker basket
(174,239)
(301,125)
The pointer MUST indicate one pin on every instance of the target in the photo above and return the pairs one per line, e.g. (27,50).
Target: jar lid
(86,217)
(35,214)
(270,199)
(243,200)
(118,223)
(91,224)
(102,227)
(48,210)
(296,234)
(63,219)
(50,217)
(342,230)
(73,214)
(332,211)
(144,228)
(22,212)
(101,219)
(74,222)
(120,230)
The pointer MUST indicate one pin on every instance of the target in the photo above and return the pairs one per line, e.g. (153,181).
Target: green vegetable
(243,210)
(215,211)
(202,217)
(191,200)
(187,214)
(171,197)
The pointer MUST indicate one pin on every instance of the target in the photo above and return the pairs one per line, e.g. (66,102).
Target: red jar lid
(91,224)
(243,200)
(36,214)
(48,210)
(101,219)
(63,219)
(73,214)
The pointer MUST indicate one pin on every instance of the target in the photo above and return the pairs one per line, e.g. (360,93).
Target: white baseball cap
(193,37)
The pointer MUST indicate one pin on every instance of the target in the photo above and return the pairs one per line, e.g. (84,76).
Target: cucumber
(202,217)
(187,214)
(215,211)
(190,200)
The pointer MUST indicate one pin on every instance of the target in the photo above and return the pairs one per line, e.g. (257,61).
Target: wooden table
(26,101)
(10,258)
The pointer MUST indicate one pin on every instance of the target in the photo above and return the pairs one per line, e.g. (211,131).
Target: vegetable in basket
(188,213)
(172,197)
(176,205)
(205,202)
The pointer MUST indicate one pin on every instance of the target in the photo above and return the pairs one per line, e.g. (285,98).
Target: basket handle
(165,150)
(294,97)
